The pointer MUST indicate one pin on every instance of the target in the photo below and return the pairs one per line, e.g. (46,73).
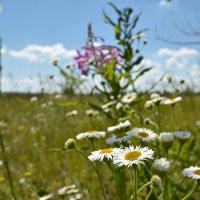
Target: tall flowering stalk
(115,67)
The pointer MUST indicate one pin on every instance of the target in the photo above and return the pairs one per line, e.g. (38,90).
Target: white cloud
(30,84)
(164,3)
(178,58)
(38,53)
(1,8)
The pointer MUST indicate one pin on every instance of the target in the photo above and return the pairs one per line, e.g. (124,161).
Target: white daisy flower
(33,99)
(119,138)
(129,98)
(62,191)
(170,101)
(161,164)
(198,123)
(43,105)
(58,96)
(161,167)
(103,154)
(72,113)
(119,106)
(184,135)
(166,137)
(91,113)
(76,197)
(144,134)
(91,134)
(193,172)
(107,105)
(154,96)
(119,126)
(131,155)
(46,197)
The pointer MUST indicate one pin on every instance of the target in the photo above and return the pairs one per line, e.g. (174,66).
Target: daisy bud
(182,81)
(70,144)
(148,122)
(161,166)
(182,136)
(54,62)
(155,181)
(149,105)
(166,140)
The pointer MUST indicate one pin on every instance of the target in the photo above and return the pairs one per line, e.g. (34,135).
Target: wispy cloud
(165,3)
(180,58)
(1,8)
(39,53)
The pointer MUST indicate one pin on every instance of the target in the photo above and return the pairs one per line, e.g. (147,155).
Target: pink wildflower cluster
(97,56)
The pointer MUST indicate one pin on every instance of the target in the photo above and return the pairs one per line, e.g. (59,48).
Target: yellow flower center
(108,150)
(133,155)
(120,135)
(143,134)
(92,131)
(129,96)
(172,98)
(197,172)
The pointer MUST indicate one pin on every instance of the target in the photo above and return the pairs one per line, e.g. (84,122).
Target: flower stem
(193,189)
(7,167)
(96,169)
(179,151)
(142,187)
(135,179)
(149,194)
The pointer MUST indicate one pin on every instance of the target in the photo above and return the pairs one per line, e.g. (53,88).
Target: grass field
(35,134)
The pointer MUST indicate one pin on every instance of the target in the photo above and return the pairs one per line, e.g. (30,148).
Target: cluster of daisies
(70,191)
(123,153)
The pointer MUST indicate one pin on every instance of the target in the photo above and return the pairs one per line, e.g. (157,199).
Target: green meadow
(34,133)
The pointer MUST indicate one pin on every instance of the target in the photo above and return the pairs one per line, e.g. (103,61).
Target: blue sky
(35,31)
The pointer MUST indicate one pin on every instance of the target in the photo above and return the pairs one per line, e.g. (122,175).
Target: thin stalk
(142,187)
(179,151)
(165,189)
(135,179)
(149,194)
(193,189)
(10,180)
(96,170)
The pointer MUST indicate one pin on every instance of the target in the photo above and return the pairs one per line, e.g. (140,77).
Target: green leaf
(115,8)
(107,19)
(117,32)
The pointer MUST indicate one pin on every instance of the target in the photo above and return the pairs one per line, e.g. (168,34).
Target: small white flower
(33,99)
(46,197)
(170,101)
(72,113)
(62,191)
(161,165)
(138,36)
(107,105)
(198,123)
(58,96)
(182,135)
(193,172)
(50,103)
(119,106)
(43,105)
(166,137)
(154,96)
(144,134)
(92,113)
(102,154)
(119,126)
(129,98)
(1,163)
(91,134)
(76,197)
(131,155)
(119,138)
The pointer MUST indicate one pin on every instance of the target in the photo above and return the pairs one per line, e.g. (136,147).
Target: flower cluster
(95,55)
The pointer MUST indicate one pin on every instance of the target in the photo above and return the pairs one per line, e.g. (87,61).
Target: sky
(34,32)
